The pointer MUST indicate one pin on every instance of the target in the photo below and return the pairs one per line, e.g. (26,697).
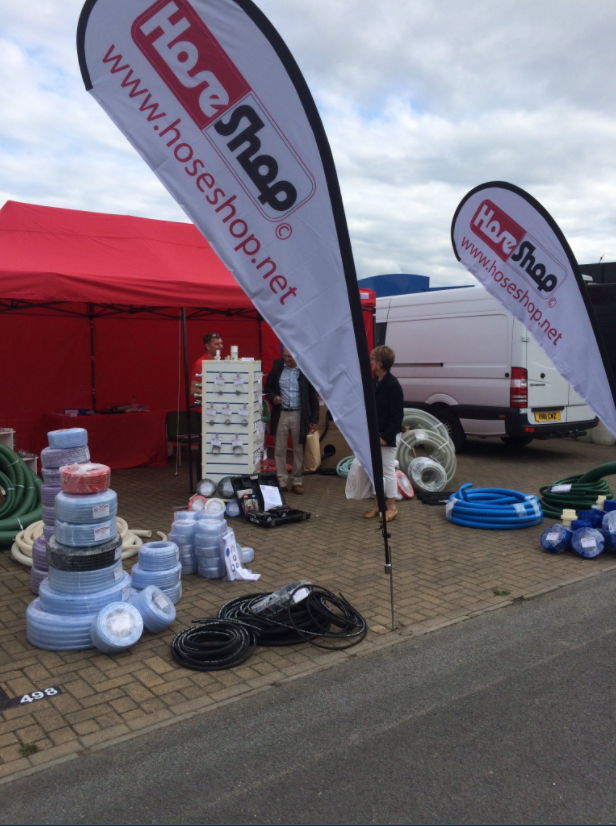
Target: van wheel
(453,427)
(516,441)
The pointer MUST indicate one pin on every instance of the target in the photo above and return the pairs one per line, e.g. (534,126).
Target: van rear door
(549,395)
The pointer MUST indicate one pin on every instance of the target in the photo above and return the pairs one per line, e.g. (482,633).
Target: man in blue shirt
(295,411)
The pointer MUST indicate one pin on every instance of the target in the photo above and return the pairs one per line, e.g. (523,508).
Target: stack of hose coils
(183,535)
(209,546)
(321,618)
(22,503)
(579,492)
(156,609)
(116,627)
(556,539)
(493,508)
(427,475)
(159,565)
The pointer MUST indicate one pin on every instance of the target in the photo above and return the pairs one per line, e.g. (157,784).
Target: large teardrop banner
(513,246)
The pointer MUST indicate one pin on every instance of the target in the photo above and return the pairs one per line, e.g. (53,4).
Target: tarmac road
(507,718)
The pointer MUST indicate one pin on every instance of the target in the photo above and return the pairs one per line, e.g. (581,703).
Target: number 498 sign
(32,697)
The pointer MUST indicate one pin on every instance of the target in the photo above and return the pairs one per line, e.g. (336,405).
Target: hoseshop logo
(518,248)
(218,98)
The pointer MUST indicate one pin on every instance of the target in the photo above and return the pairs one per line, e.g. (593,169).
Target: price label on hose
(560,488)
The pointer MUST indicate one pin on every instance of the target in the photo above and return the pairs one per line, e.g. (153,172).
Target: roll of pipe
(56,602)
(37,575)
(556,539)
(158,556)
(438,448)
(86,509)
(212,571)
(426,474)
(39,554)
(85,582)
(58,457)
(493,508)
(165,578)
(58,632)
(22,502)
(156,609)
(174,592)
(51,476)
(49,493)
(247,555)
(588,542)
(82,536)
(116,627)
(85,478)
(184,530)
(68,437)
(68,558)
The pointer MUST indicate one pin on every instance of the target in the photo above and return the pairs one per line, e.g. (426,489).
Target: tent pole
(187,400)
(93,374)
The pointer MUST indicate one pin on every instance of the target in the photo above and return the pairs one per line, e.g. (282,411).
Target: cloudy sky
(422,100)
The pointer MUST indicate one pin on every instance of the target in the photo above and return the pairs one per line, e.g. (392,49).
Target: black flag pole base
(389,570)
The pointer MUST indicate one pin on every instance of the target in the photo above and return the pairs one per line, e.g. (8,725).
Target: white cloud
(421,101)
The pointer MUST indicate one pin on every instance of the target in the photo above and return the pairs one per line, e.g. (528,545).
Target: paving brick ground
(443,573)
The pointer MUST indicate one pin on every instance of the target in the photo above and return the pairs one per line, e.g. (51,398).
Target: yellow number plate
(548,416)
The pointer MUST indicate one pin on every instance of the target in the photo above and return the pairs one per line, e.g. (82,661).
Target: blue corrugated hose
(493,508)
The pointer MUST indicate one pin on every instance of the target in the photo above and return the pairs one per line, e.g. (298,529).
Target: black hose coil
(213,645)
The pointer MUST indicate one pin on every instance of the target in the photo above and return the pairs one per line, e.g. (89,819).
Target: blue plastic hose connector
(156,609)
(158,556)
(116,627)
(166,578)
(493,508)
(85,509)
(68,437)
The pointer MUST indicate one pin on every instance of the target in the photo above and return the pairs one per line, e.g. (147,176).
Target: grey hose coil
(116,627)
(158,556)
(421,420)
(156,609)
(68,437)
(85,582)
(83,559)
(86,509)
(165,578)
(55,602)
(436,446)
(58,632)
(427,475)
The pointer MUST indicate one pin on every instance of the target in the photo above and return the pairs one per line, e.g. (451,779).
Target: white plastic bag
(358,485)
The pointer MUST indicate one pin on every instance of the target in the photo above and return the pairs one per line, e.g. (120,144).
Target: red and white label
(500,232)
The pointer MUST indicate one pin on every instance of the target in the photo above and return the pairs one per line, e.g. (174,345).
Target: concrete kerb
(84,745)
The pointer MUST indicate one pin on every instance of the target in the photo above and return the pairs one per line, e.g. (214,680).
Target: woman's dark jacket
(389,407)
(309,409)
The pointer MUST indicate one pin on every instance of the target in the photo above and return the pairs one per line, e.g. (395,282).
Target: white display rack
(232,400)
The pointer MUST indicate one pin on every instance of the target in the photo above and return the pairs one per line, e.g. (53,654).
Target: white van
(464,358)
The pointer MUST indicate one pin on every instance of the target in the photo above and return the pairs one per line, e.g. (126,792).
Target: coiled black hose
(213,645)
(270,632)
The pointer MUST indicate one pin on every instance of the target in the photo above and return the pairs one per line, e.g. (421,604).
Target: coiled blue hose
(174,592)
(37,575)
(116,627)
(85,536)
(184,530)
(48,531)
(68,437)
(493,508)
(55,602)
(85,582)
(343,466)
(52,457)
(49,515)
(158,556)
(58,632)
(156,609)
(165,578)
(189,566)
(214,551)
(88,508)
(214,571)
(39,553)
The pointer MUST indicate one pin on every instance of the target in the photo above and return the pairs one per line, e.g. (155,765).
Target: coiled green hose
(22,505)
(585,489)
(343,466)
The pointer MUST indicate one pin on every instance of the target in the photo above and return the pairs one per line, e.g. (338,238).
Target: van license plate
(548,416)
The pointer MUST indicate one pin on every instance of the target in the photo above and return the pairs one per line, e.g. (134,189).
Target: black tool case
(265,519)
